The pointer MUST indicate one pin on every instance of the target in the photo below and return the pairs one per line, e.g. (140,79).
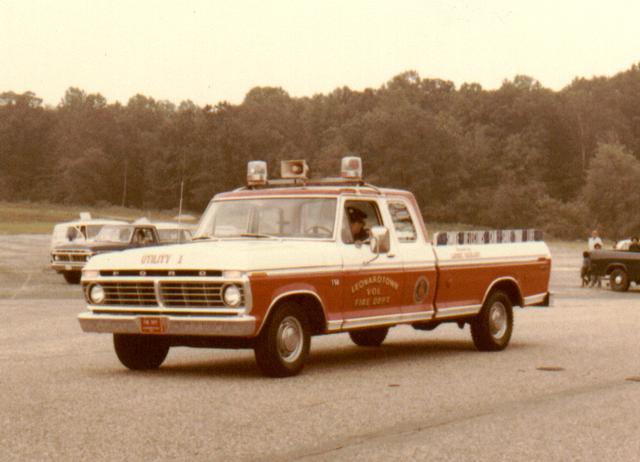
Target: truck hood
(92,247)
(240,254)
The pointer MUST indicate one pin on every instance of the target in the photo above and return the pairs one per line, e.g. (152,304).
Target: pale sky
(209,51)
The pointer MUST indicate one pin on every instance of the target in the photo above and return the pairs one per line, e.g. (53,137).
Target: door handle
(391,255)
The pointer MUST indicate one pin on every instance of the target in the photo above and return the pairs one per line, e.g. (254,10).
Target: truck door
(372,284)
(416,253)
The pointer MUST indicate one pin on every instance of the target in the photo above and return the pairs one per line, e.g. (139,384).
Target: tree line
(519,156)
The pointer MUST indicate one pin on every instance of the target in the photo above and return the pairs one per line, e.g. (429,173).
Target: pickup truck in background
(621,267)
(279,261)
(70,242)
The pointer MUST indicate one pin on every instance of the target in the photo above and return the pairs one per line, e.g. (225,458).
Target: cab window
(358,218)
(402,222)
(144,236)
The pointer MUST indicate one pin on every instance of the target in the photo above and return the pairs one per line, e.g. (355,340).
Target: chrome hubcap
(290,339)
(498,320)
(618,279)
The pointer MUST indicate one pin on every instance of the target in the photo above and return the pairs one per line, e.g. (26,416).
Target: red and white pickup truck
(279,261)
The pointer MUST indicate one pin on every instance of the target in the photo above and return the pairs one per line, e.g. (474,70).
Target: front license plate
(153,325)
(67,267)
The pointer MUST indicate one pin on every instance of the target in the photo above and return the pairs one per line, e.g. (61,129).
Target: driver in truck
(356,221)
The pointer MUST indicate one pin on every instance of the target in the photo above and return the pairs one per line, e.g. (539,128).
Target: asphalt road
(567,388)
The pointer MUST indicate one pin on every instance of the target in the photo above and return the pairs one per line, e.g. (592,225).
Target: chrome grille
(129,293)
(70,256)
(194,294)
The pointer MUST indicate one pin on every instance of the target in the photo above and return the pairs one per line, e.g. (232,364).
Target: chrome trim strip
(302,270)
(533,299)
(359,267)
(499,261)
(179,311)
(455,311)
(239,326)
(419,266)
(62,266)
(334,326)
(389,319)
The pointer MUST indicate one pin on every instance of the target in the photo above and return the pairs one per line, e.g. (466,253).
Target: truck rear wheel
(283,345)
(369,337)
(72,277)
(140,352)
(492,327)
(619,280)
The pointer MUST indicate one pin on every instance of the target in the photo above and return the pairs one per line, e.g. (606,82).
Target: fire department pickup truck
(279,261)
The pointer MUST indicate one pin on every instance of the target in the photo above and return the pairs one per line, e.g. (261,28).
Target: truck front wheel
(282,347)
(369,337)
(140,352)
(619,280)
(492,327)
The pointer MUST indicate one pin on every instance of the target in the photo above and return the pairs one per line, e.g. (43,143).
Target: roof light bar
(351,168)
(294,169)
(257,173)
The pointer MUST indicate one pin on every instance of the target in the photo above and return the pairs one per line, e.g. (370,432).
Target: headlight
(96,294)
(232,296)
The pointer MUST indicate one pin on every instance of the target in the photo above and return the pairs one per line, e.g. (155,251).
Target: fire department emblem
(421,290)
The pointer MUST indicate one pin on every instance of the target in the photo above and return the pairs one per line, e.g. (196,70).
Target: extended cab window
(402,222)
(359,218)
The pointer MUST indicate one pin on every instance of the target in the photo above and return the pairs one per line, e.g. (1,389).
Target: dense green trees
(518,156)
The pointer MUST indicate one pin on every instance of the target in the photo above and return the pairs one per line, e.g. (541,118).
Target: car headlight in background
(90,274)
(232,296)
(96,294)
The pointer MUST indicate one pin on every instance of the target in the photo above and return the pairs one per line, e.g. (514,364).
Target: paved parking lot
(567,388)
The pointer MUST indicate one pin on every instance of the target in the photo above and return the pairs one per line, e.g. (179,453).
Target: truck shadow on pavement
(323,358)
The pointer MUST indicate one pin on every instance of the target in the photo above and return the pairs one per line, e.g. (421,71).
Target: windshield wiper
(198,238)
(258,235)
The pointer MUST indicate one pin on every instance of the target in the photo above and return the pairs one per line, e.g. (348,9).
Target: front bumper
(218,326)
(61,266)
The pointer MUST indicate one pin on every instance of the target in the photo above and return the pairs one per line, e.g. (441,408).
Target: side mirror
(380,241)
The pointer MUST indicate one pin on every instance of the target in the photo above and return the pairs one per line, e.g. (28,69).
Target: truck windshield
(115,233)
(311,218)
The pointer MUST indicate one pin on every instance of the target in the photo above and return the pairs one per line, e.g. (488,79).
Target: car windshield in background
(93,231)
(115,233)
(309,218)
(174,235)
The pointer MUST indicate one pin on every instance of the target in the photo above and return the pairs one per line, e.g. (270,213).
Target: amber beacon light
(351,168)
(257,173)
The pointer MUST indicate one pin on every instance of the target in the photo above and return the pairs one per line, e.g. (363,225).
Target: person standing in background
(594,239)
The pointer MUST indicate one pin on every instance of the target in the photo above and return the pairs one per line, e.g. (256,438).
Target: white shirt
(593,241)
